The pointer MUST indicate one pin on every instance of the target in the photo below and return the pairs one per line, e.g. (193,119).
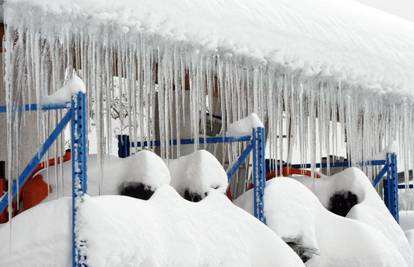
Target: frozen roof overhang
(342,39)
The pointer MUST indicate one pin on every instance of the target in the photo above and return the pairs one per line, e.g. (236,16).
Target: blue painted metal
(35,160)
(232,171)
(79,173)
(338,164)
(260,177)
(391,186)
(402,186)
(190,141)
(380,175)
(34,107)
(124,146)
(256,146)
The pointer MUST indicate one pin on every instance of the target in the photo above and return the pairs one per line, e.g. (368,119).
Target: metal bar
(190,141)
(79,173)
(380,175)
(337,164)
(34,107)
(233,169)
(255,178)
(35,160)
(402,186)
(261,172)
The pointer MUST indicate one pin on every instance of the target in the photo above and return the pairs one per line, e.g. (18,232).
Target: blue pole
(79,173)
(391,186)
(35,160)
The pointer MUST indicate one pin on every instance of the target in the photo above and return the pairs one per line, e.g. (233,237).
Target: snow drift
(370,208)
(296,215)
(163,231)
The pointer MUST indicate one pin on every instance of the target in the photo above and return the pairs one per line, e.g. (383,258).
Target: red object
(288,171)
(34,191)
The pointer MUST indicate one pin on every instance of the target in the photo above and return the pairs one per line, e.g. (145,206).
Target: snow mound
(198,173)
(295,214)
(144,167)
(63,94)
(370,208)
(244,126)
(163,231)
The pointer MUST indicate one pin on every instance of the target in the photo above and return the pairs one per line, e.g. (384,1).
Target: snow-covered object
(410,236)
(295,214)
(144,167)
(370,208)
(330,36)
(63,94)
(164,231)
(244,126)
(199,172)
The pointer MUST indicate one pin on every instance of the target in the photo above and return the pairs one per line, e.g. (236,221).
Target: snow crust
(295,214)
(163,231)
(325,38)
(199,172)
(144,167)
(63,94)
(370,209)
(244,126)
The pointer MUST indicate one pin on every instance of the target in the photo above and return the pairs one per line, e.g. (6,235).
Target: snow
(295,214)
(244,126)
(370,208)
(199,172)
(163,231)
(144,167)
(330,38)
(407,219)
(63,94)
(406,199)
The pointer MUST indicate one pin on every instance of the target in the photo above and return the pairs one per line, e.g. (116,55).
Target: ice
(296,215)
(163,231)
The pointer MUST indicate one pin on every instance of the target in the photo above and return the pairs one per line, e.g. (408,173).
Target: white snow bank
(327,38)
(164,231)
(199,172)
(370,208)
(244,126)
(410,236)
(144,167)
(63,94)
(295,214)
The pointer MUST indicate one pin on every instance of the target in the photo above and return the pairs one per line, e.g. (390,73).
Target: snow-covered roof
(338,38)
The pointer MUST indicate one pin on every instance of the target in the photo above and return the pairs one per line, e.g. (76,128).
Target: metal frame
(256,145)
(389,171)
(76,115)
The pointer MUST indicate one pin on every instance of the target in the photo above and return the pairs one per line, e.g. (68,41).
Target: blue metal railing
(77,116)
(256,145)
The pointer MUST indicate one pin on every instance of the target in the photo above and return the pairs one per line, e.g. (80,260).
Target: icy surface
(63,94)
(163,231)
(295,214)
(200,172)
(370,208)
(244,126)
(345,37)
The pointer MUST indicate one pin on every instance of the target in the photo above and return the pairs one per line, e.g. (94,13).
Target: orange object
(288,171)
(33,192)
(4,215)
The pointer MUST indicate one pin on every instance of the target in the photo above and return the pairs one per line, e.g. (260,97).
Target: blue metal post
(259,175)
(79,173)
(391,186)
(124,146)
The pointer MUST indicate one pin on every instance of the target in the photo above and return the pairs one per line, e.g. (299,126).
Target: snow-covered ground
(163,231)
(300,217)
